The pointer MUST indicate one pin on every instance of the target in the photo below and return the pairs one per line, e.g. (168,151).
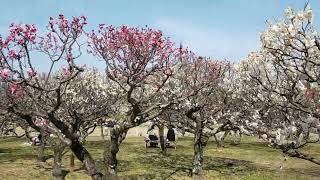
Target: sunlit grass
(251,159)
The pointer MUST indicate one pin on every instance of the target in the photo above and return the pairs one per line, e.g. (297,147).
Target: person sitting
(171,138)
(37,141)
(152,139)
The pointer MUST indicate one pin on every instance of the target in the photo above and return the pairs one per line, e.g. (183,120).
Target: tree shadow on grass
(228,165)
(49,169)
(3,151)
(178,163)
(164,167)
(243,146)
(311,171)
(14,154)
(21,153)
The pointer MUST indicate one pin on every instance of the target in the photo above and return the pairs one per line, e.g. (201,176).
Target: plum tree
(139,61)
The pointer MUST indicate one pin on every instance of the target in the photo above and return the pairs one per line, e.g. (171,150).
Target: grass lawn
(251,159)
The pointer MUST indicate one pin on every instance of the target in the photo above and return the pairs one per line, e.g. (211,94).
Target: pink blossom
(51,23)
(66,71)
(5,73)
(17,90)
(60,31)
(1,43)
(134,52)
(30,32)
(69,57)
(63,23)
(12,54)
(41,122)
(311,94)
(84,66)
(32,73)
(22,33)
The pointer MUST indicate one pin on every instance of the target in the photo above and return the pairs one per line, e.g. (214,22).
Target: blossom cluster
(134,53)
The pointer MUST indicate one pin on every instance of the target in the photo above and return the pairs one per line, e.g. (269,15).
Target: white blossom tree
(280,85)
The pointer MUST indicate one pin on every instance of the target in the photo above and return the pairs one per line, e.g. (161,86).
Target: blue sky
(222,29)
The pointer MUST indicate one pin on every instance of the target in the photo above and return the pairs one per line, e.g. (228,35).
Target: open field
(251,159)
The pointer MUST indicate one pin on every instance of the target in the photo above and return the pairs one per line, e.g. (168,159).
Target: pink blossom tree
(140,62)
(60,45)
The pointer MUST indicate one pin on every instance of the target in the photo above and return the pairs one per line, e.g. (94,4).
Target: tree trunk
(200,142)
(84,156)
(71,165)
(162,140)
(27,133)
(102,133)
(236,137)
(198,155)
(41,156)
(224,136)
(110,158)
(220,142)
(57,171)
(216,139)
(77,148)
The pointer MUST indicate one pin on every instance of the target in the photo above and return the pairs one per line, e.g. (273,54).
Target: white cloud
(211,41)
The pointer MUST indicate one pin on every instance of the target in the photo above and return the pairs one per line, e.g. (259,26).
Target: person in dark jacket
(171,138)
